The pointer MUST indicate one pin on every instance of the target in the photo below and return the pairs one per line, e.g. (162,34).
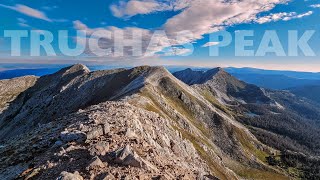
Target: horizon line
(61,65)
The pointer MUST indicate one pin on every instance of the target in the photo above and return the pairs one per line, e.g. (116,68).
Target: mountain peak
(191,77)
(149,71)
(220,69)
(74,69)
(218,80)
(214,71)
(79,67)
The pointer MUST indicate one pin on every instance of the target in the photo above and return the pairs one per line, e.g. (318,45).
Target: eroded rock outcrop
(146,155)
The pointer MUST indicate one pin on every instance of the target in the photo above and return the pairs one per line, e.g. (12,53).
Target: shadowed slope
(223,85)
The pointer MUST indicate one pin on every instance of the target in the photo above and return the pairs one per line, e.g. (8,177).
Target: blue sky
(201,17)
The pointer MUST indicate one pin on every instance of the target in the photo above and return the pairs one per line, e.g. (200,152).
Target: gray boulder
(95,132)
(126,156)
(73,136)
(70,176)
(95,164)
(99,149)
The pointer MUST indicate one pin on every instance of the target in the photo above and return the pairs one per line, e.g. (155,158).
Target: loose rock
(95,132)
(70,176)
(99,149)
(72,136)
(95,164)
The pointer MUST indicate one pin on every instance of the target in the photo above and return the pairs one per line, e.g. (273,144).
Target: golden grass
(256,174)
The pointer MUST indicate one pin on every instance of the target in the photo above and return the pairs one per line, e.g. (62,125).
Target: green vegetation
(248,146)
(197,141)
(181,107)
(209,97)
(251,173)
(157,108)
(297,165)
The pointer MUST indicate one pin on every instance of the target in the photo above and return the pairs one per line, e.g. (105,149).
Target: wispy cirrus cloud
(208,44)
(22,22)
(135,7)
(28,11)
(315,6)
(284,16)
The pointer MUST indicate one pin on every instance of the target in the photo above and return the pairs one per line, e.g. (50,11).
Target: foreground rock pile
(111,140)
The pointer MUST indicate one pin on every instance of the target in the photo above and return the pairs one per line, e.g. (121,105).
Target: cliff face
(134,123)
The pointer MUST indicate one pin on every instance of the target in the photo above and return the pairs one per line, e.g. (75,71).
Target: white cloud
(284,16)
(153,43)
(135,7)
(107,42)
(28,11)
(303,15)
(177,51)
(80,26)
(315,6)
(207,16)
(210,44)
(22,22)
(199,17)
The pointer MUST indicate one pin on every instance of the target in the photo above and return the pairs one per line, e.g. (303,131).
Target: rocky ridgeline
(105,141)
(139,123)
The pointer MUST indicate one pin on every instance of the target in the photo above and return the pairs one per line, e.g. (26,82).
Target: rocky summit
(139,123)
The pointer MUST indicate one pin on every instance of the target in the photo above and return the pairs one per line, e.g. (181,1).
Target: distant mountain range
(275,79)
(292,74)
(12,73)
(147,123)
(8,74)
(270,79)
